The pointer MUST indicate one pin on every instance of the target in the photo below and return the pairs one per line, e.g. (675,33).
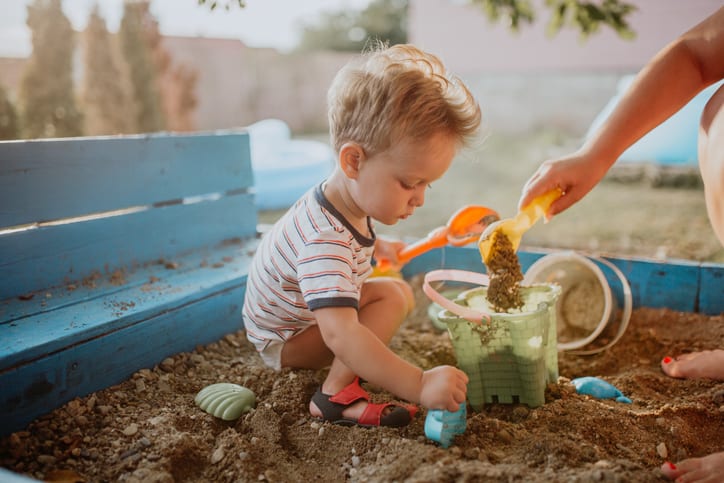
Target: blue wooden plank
(44,180)
(711,297)
(446,257)
(462,258)
(678,284)
(149,277)
(673,285)
(49,256)
(28,338)
(9,477)
(33,389)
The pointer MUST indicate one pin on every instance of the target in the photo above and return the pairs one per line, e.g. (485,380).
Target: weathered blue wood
(49,256)
(105,283)
(679,285)
(9,477)
(461,258)
(711,295)
(673,285)
(84,328)
(28,338)
(36,387)
(44,180)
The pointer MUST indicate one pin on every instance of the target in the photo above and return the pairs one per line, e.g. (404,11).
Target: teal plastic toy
(599,388)
(442,426)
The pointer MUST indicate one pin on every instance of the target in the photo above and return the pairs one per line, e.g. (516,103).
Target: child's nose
(418,199)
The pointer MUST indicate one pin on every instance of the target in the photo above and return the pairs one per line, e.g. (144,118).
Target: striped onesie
(312,258)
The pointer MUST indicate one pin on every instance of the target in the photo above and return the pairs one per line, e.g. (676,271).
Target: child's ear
(350,157)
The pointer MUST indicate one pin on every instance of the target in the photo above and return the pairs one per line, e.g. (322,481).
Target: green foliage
(585,16)
(105,101)
(213,4)
(387,19)
(138,29)
(384,20)
(514,11)
(9,122)
(588,17)
(46,89)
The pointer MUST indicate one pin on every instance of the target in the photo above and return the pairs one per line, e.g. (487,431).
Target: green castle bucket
(508,357)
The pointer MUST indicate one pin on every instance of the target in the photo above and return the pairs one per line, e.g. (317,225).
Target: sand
(148,429)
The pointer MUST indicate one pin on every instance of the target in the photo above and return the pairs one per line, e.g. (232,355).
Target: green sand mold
(513,357)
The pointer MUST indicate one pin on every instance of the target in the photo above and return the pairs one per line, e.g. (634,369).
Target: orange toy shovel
(464,226)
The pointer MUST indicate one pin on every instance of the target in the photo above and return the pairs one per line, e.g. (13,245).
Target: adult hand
(575,175)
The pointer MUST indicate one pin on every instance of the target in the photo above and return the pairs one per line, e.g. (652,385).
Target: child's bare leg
(384,305)
(708,469)
(695,365)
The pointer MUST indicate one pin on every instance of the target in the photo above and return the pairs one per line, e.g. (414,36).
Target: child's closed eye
(412,186)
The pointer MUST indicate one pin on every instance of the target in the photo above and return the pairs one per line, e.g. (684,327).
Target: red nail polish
(667,360)
(671,465)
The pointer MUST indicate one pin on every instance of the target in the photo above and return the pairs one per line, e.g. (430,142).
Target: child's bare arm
(359,349)
(387,249)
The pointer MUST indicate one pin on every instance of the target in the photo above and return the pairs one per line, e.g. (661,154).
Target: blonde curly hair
(401,92)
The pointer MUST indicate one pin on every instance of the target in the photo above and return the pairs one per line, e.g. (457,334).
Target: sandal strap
(333,406)
(353,392)
(400,416)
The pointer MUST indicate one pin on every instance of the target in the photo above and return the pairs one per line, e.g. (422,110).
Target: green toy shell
(225,400)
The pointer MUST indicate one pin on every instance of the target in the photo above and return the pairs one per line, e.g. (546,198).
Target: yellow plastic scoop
(514,228)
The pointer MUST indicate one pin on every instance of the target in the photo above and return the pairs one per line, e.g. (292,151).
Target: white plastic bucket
(587,304)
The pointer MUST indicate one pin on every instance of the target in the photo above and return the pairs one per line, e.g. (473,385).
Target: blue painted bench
(115,253)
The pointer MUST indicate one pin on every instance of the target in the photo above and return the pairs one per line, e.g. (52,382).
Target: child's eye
(412,186)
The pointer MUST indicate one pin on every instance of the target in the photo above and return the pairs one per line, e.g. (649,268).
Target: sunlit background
(108,67)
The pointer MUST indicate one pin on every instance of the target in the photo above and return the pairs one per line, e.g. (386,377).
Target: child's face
(391,184)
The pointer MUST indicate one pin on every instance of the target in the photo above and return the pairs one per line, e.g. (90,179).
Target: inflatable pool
(674,142)
(284,168)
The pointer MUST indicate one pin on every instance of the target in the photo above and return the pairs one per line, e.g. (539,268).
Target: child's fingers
(463,376)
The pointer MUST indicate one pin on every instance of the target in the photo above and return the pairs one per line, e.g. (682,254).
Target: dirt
(148,428)
(505,275)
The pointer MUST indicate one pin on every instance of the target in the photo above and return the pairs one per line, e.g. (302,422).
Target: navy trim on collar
(324,202)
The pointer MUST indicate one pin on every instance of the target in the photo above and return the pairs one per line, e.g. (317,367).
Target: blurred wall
(462,35)
(239,85)
(527,80)
(524,81)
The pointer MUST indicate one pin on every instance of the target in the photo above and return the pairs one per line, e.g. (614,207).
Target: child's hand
(387,250)
(443,387)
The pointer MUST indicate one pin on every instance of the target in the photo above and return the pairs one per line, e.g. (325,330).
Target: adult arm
(669,80)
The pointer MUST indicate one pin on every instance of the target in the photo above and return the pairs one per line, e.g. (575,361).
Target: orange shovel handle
(464,227)
(435,239)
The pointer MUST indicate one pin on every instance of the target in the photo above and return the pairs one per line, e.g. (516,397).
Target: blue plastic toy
(599,388)
(442,426)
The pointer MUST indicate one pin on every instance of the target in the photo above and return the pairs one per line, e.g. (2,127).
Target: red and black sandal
(331,408)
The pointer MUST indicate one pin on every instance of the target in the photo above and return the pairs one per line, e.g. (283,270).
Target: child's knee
(406,294)
(394,290)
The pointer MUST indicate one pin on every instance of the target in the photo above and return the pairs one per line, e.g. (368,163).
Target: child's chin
(388,222)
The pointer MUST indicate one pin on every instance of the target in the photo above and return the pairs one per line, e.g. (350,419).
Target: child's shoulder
(311,218)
